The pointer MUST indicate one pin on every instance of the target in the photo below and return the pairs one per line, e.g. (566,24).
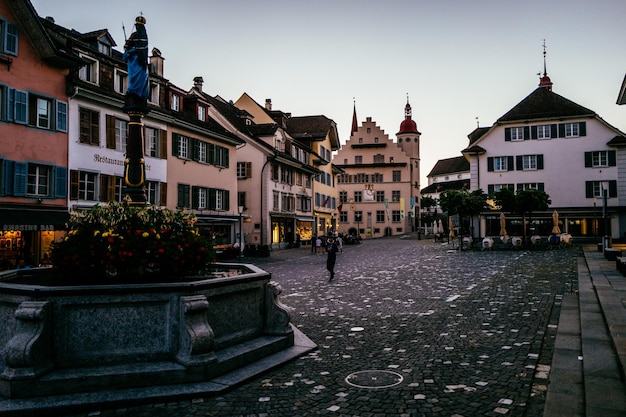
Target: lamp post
(595,221)
(240,209)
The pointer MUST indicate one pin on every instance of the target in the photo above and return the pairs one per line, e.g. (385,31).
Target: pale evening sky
(456,59)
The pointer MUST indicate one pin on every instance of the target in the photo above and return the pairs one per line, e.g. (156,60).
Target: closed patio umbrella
(503,225)
(435,228)
(555,223)
(440,226)
(451,226)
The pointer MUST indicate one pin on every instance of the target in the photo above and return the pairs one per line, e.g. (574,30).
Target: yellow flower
(145,234)
(158,236)
(96,233)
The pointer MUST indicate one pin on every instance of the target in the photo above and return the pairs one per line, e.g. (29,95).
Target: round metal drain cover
(374,379)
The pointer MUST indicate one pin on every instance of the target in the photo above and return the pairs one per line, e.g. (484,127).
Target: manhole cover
(374,379)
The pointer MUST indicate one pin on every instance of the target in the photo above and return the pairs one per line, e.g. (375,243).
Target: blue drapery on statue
(136,58)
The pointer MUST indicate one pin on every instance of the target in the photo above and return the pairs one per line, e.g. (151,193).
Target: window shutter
(20,175)
(509,163)
(540,161)
(20,106)
(613,188)
(226,158)
(533,132)
(163,194)
(60,182)
(588,160)
(248,170)
(519,164)
(9,167)
(490,189)
(11,104)
(163,144)
(541,186)
(561,130)
(10,39)
(104,187)
(526,132)
(612,159)
(226,199)
(195,149)
(554,131)
(61,118)
(194,197)
(110,132)
(589,189)
(490,164)
(74,184)
(507,134)
(582,128)
(175,140)
(212,198)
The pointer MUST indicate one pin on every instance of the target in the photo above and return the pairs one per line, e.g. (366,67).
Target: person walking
(318,245)
(331,250)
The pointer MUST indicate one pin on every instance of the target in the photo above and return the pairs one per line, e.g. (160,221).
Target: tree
(524,202)
(463,203)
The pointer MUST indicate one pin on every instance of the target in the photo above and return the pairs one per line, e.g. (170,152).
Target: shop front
(26,235)
(284,232)
(304,230)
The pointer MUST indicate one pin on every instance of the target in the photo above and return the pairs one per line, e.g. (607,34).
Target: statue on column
(136,58)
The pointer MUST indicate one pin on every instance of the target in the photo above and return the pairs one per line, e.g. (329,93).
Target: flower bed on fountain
(135,303)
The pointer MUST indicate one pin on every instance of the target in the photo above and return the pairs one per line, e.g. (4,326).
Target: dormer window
(89,72)
(104,48)
(202,113)
(175,104)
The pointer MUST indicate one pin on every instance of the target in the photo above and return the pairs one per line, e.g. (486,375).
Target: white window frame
(183,147)
(152,142)
(175,104)
(121,81)
(91,71)
(43,113)
(544,132)
(38,181)
(500,163)
(572,130)
(517,134)
(202,113)
(121,134)
(203,150)
(600,159)
(87,186)
(154,92)
(529,162)
(202,198)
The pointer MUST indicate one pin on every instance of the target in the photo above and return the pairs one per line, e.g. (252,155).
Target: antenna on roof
(477,123)
(545,72)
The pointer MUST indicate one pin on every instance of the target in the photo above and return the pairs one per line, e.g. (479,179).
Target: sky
(459,62)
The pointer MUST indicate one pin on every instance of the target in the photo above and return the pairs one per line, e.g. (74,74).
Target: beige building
(379,189)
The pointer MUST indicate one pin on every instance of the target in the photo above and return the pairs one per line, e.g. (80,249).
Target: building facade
(379,189)
(34,125)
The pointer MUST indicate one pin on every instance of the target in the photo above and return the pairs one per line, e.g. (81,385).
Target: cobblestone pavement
(407,328)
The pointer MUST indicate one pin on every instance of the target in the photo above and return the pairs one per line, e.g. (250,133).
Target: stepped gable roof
(450,165)
(440,187)
(544,104)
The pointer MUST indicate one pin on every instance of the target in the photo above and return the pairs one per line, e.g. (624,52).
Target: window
(83,185)
(343,196)
(241,199)
(121,81)
(276,200)
(89,72)
(38,182)
(104,48)
(175,103)
(180,146)
(9,33)
(571,130)
(358,216)
(121,134)
(377,177)
(288,202)
(202,113)
(153,95)
(395,216)
(543,132)
(380,196)
(202,149)
(89,132)
(395,195)
(152,142)
(244,170)
(529,162)
(201,198)
(358,159)
(111,187)
(380,216)
(286,176)
(42,110)
(358,196)
(500,163)
(596,188)
(517,133)
(379,158)
(343,217)
(152,192)
(600,159)
(218,156)
(531,186)
(396,176)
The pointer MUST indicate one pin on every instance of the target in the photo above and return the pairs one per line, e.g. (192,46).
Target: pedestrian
(318,245)
(331,249)
(339,242)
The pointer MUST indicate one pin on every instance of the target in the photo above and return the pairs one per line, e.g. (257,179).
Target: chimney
(197,83)
(156,63)
(268,104)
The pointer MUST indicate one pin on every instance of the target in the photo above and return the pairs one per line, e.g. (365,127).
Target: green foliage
(522,201)
(121,242)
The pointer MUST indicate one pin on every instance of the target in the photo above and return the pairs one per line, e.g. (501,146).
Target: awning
(204,221)
(305,219)
(35,220)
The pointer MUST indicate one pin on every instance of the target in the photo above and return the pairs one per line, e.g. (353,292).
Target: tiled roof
(450,165)
(440,187)
(544,104)
(309,127)
(477,134)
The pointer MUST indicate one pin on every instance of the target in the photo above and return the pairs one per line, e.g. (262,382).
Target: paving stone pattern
(466,333)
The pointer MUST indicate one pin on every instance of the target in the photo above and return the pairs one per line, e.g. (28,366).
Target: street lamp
(240,208)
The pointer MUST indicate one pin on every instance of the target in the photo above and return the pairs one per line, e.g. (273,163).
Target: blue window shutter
(20,107)
(11,104)
(20,174)
(10,39)
(9,167)
(61,119)
(60,182)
